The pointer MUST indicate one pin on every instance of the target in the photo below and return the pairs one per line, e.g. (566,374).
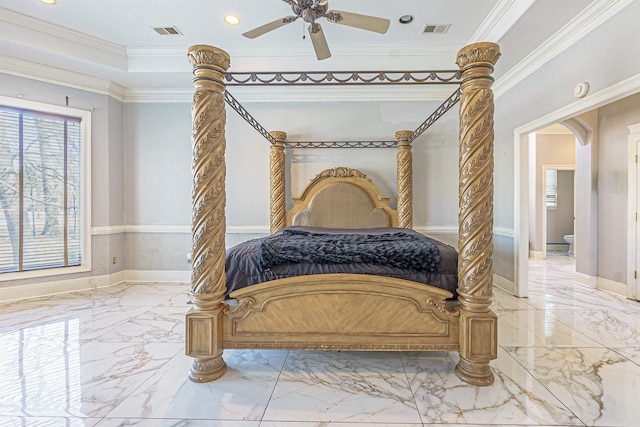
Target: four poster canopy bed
(248,296)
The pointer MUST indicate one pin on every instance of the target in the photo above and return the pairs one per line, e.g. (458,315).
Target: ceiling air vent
(435,28)
(167,31)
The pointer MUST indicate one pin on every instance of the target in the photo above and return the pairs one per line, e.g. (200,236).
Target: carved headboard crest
(339,172)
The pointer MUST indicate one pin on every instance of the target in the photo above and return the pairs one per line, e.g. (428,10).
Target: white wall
(157,175)
(612,186)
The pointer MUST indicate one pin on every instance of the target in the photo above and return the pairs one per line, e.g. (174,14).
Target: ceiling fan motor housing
(309,10)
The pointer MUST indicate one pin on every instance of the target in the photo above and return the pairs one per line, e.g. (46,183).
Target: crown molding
(591,17)
(44,73)
(25,30)
(502,17)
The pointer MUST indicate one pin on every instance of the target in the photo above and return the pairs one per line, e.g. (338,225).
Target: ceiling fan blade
(263,29)
(319,43)
(364,22)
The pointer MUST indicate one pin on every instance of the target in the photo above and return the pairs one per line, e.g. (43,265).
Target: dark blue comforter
(298,251)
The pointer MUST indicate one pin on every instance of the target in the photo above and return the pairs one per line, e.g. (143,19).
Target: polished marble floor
(568,355)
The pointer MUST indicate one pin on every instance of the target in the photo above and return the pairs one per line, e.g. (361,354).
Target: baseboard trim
(602,284)
(34,290)
(43,289)
(586,280)
(536,255)
(504,284)
(613,287)
(172,229)
(137,276)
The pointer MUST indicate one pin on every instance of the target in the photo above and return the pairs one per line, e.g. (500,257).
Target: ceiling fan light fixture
(49,1)
(406,19)
(232,19)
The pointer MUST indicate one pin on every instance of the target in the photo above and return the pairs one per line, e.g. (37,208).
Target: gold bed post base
(204,330)
(478,346)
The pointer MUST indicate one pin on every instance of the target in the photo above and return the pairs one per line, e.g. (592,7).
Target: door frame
(633,251)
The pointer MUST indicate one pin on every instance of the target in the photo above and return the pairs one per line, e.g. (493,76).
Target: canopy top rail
(343,78)
(329,78)
(341,144)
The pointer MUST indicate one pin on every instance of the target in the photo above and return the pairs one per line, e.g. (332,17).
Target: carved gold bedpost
(478,324)
(276,181)
(208,282)
(405,179)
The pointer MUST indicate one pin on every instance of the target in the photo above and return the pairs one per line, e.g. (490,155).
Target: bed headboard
(342,198)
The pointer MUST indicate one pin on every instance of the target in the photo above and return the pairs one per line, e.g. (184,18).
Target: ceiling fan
(309,11)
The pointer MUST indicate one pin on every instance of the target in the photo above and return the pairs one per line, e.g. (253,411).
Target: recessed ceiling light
(405,19)
(232,20)
(49,1)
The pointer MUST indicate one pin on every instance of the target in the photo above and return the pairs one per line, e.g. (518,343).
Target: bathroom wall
(561,218)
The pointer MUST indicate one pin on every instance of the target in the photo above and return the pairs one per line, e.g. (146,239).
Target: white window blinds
(40,190)
(552,188)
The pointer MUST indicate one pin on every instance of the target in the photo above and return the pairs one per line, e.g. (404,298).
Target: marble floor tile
(162,422)
(148,295)
(632,354)
(91,322)
(362,387)
(608,327)
(332,424)
(157,324)
(47,422)
(84,380)
(515,397)
(503,301)
(599,385)
(241,394)
(538,328)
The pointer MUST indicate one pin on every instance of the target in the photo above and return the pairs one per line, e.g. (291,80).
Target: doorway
(558,221)
(552,164)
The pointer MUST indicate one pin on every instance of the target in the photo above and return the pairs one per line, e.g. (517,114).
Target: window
(552,188)
(44,226)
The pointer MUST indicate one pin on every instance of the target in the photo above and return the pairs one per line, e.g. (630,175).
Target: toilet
(569,239)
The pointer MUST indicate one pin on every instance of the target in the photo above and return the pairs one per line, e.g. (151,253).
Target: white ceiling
(114,41)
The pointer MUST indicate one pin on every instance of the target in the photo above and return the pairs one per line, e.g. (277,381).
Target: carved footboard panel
(339,311)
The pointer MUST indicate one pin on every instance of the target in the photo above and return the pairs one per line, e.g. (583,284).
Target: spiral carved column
(405,179)
(208,286)
(277,181)
(478,324)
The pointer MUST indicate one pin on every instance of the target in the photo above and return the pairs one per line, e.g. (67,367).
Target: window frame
(85,191)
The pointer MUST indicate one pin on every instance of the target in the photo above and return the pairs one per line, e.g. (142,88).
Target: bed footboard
(342,311)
